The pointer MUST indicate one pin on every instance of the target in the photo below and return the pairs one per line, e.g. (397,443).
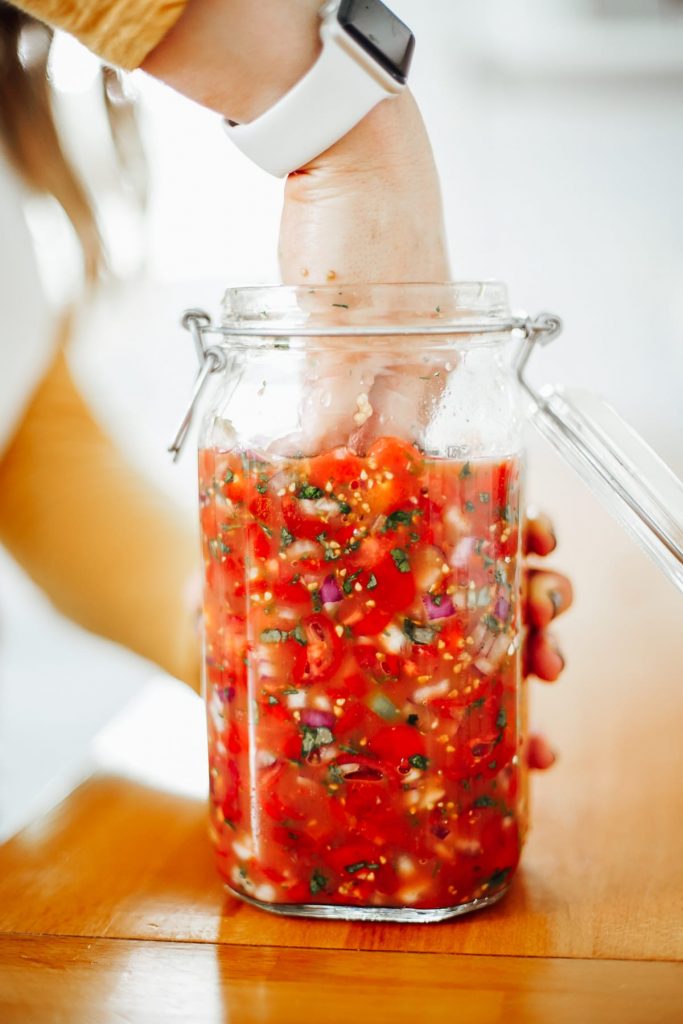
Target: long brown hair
(31,139)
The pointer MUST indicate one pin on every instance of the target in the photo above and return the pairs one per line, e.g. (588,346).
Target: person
(105,547)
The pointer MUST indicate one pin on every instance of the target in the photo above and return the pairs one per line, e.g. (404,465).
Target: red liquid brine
(362,632)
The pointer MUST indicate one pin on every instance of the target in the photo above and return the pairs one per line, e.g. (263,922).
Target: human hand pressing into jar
(366,209)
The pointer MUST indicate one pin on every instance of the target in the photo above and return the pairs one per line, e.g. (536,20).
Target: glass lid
(631,479)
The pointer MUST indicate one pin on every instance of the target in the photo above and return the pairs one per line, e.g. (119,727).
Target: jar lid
(630,478)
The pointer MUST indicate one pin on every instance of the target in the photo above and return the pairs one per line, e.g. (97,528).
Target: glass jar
(361,489)
(361,500)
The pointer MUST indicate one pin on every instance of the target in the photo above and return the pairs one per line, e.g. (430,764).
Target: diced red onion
(438,611)
(502,608)
(441,830)
(318,719)
(330,591)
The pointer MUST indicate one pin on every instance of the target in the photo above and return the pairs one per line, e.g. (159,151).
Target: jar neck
(347,313)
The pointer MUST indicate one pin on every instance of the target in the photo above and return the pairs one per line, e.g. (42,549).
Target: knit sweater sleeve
(122,32)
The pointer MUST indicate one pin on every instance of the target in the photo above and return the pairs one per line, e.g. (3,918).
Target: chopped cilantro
(401,517)
(286,538)
(384,707)
(317,601)
(347,585)
(218,547)
(469,506)
(484,497)
(266,529)
(401,560)
(330,553)
(344,507)
(372,582)
(336,774)
(419,635)
(484,801)
(502,719)
(298,634)
(310,492)
(313,738)
(491,623)
(262,486)
(412,719)
(272,699)
(418,761)
(465,471)
(273,636)
(359,866)
(341,305)
(498,876)
(229,476)
(318,882)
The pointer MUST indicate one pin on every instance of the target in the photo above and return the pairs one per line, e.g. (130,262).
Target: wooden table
(110,909)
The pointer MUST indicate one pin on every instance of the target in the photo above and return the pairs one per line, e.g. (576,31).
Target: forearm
(105,547)
(369,209)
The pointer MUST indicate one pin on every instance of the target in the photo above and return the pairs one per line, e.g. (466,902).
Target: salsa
(362,636)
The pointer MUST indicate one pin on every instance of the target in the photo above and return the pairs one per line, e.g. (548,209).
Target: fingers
(543,657)
(539,754)
(539,535)
(548,595)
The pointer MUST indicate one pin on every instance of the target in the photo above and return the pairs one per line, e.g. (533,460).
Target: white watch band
(342,87)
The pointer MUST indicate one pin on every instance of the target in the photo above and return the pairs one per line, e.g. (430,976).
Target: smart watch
(366,56)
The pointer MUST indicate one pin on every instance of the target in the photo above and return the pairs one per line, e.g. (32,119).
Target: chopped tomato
(323,651)
(361,629)
(340,467)
(397,743)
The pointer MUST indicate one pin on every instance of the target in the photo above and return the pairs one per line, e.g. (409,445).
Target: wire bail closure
(213,358)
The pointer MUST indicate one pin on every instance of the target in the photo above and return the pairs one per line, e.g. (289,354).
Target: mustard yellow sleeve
(122,32)
(111,552)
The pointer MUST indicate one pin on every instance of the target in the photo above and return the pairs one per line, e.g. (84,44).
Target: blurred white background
(558,131)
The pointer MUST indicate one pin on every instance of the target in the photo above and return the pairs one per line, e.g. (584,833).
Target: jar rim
(354,311)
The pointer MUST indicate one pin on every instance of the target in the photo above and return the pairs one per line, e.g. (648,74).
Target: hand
(548,594)
(367,210)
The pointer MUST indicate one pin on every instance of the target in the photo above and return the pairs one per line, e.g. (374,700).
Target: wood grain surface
(102,980)
(110,906)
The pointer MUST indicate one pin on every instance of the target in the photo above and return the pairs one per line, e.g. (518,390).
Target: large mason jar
(361,492)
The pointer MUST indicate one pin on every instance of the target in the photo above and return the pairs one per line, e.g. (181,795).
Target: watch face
(380,33)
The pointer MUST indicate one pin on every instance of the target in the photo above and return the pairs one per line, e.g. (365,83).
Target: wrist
(238,57)
(387,143)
